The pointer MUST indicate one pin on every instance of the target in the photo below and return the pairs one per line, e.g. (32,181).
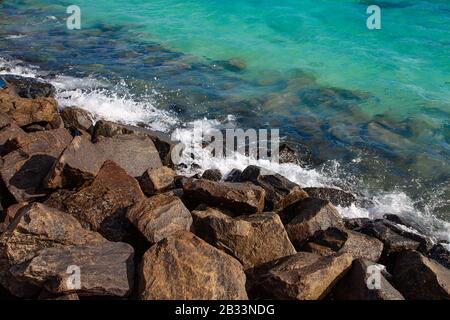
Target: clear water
(372,105)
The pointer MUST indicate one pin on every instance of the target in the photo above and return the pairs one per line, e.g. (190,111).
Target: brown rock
(102,205)
(184,267)
(159,217)
(359,245)
(157,180)
(440,254)
(303,276)
(42,242)
(135,154)
(318,249)
(335,196)
(310,216)
(7,133)
(12,211)
(25,111)
(78,164)
(253,240)
(280,192)
(419,278)
(78,118)
(25,168)
(358,284)
(27,87)
(58,199)
(238,197)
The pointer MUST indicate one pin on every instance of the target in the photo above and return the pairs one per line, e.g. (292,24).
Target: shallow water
(373,106)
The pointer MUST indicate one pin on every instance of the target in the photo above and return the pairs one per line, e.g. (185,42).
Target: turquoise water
(377,101)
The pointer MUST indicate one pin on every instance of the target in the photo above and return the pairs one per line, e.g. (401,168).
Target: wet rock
(419,278)
(310,216)
(29,88)
(303,276)
(358,245)
(240,198)
(393,242)
(404,230)
(27,111)
(253,239)
(157,180)
(280,192)
(234,176)
(184,267)
(42,242)
(159,217)
(135,154)
(288,154)
(102,206)
(441,254)
(25,168)
(212,174)
(335,196)
(358,285)
(78,118)
(354,223)
(78,164)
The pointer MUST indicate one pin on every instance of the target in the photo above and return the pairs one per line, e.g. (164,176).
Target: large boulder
(103,204)
(41,244)
(135,154)
(78,118)
(280,192)
(26,111)
(253,239)
(25,168)
(419,278)
(212,174)
(159,217)
(240,198)
(336,196)
(365,281)
(303,276)
(310,216)
(184,267)
(157,180)
(441,254)
(7,132)
(359,245)
(29,88)
(78,164)
(162,141)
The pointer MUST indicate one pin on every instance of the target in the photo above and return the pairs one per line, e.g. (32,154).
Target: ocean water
(371,106)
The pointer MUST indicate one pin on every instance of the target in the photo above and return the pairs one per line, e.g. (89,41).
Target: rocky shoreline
(105,198)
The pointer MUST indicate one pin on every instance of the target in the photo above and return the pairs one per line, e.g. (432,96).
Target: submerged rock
(184,267)
(253,239)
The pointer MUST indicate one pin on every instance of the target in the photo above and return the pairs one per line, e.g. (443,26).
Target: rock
(253,239)
(157,180)
(78,118)
(354,223)
(355,284)
(234,176)
(29,88)
(358,245)
(58,199)
(162,141)
(303,276)
(335,196)
(212,174)
(27,111)
(159,217)
(237,197)
(287,154)
(25,168)
(184,267)
(280,192)
(425,242)
(5,120)
(8,132)
(78,164)
(440,254)
(310,216)
(12,211)
(102,206)
(135,154)
(393,242)
(318,249)
(419,278)
(34,128)
(42,242)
